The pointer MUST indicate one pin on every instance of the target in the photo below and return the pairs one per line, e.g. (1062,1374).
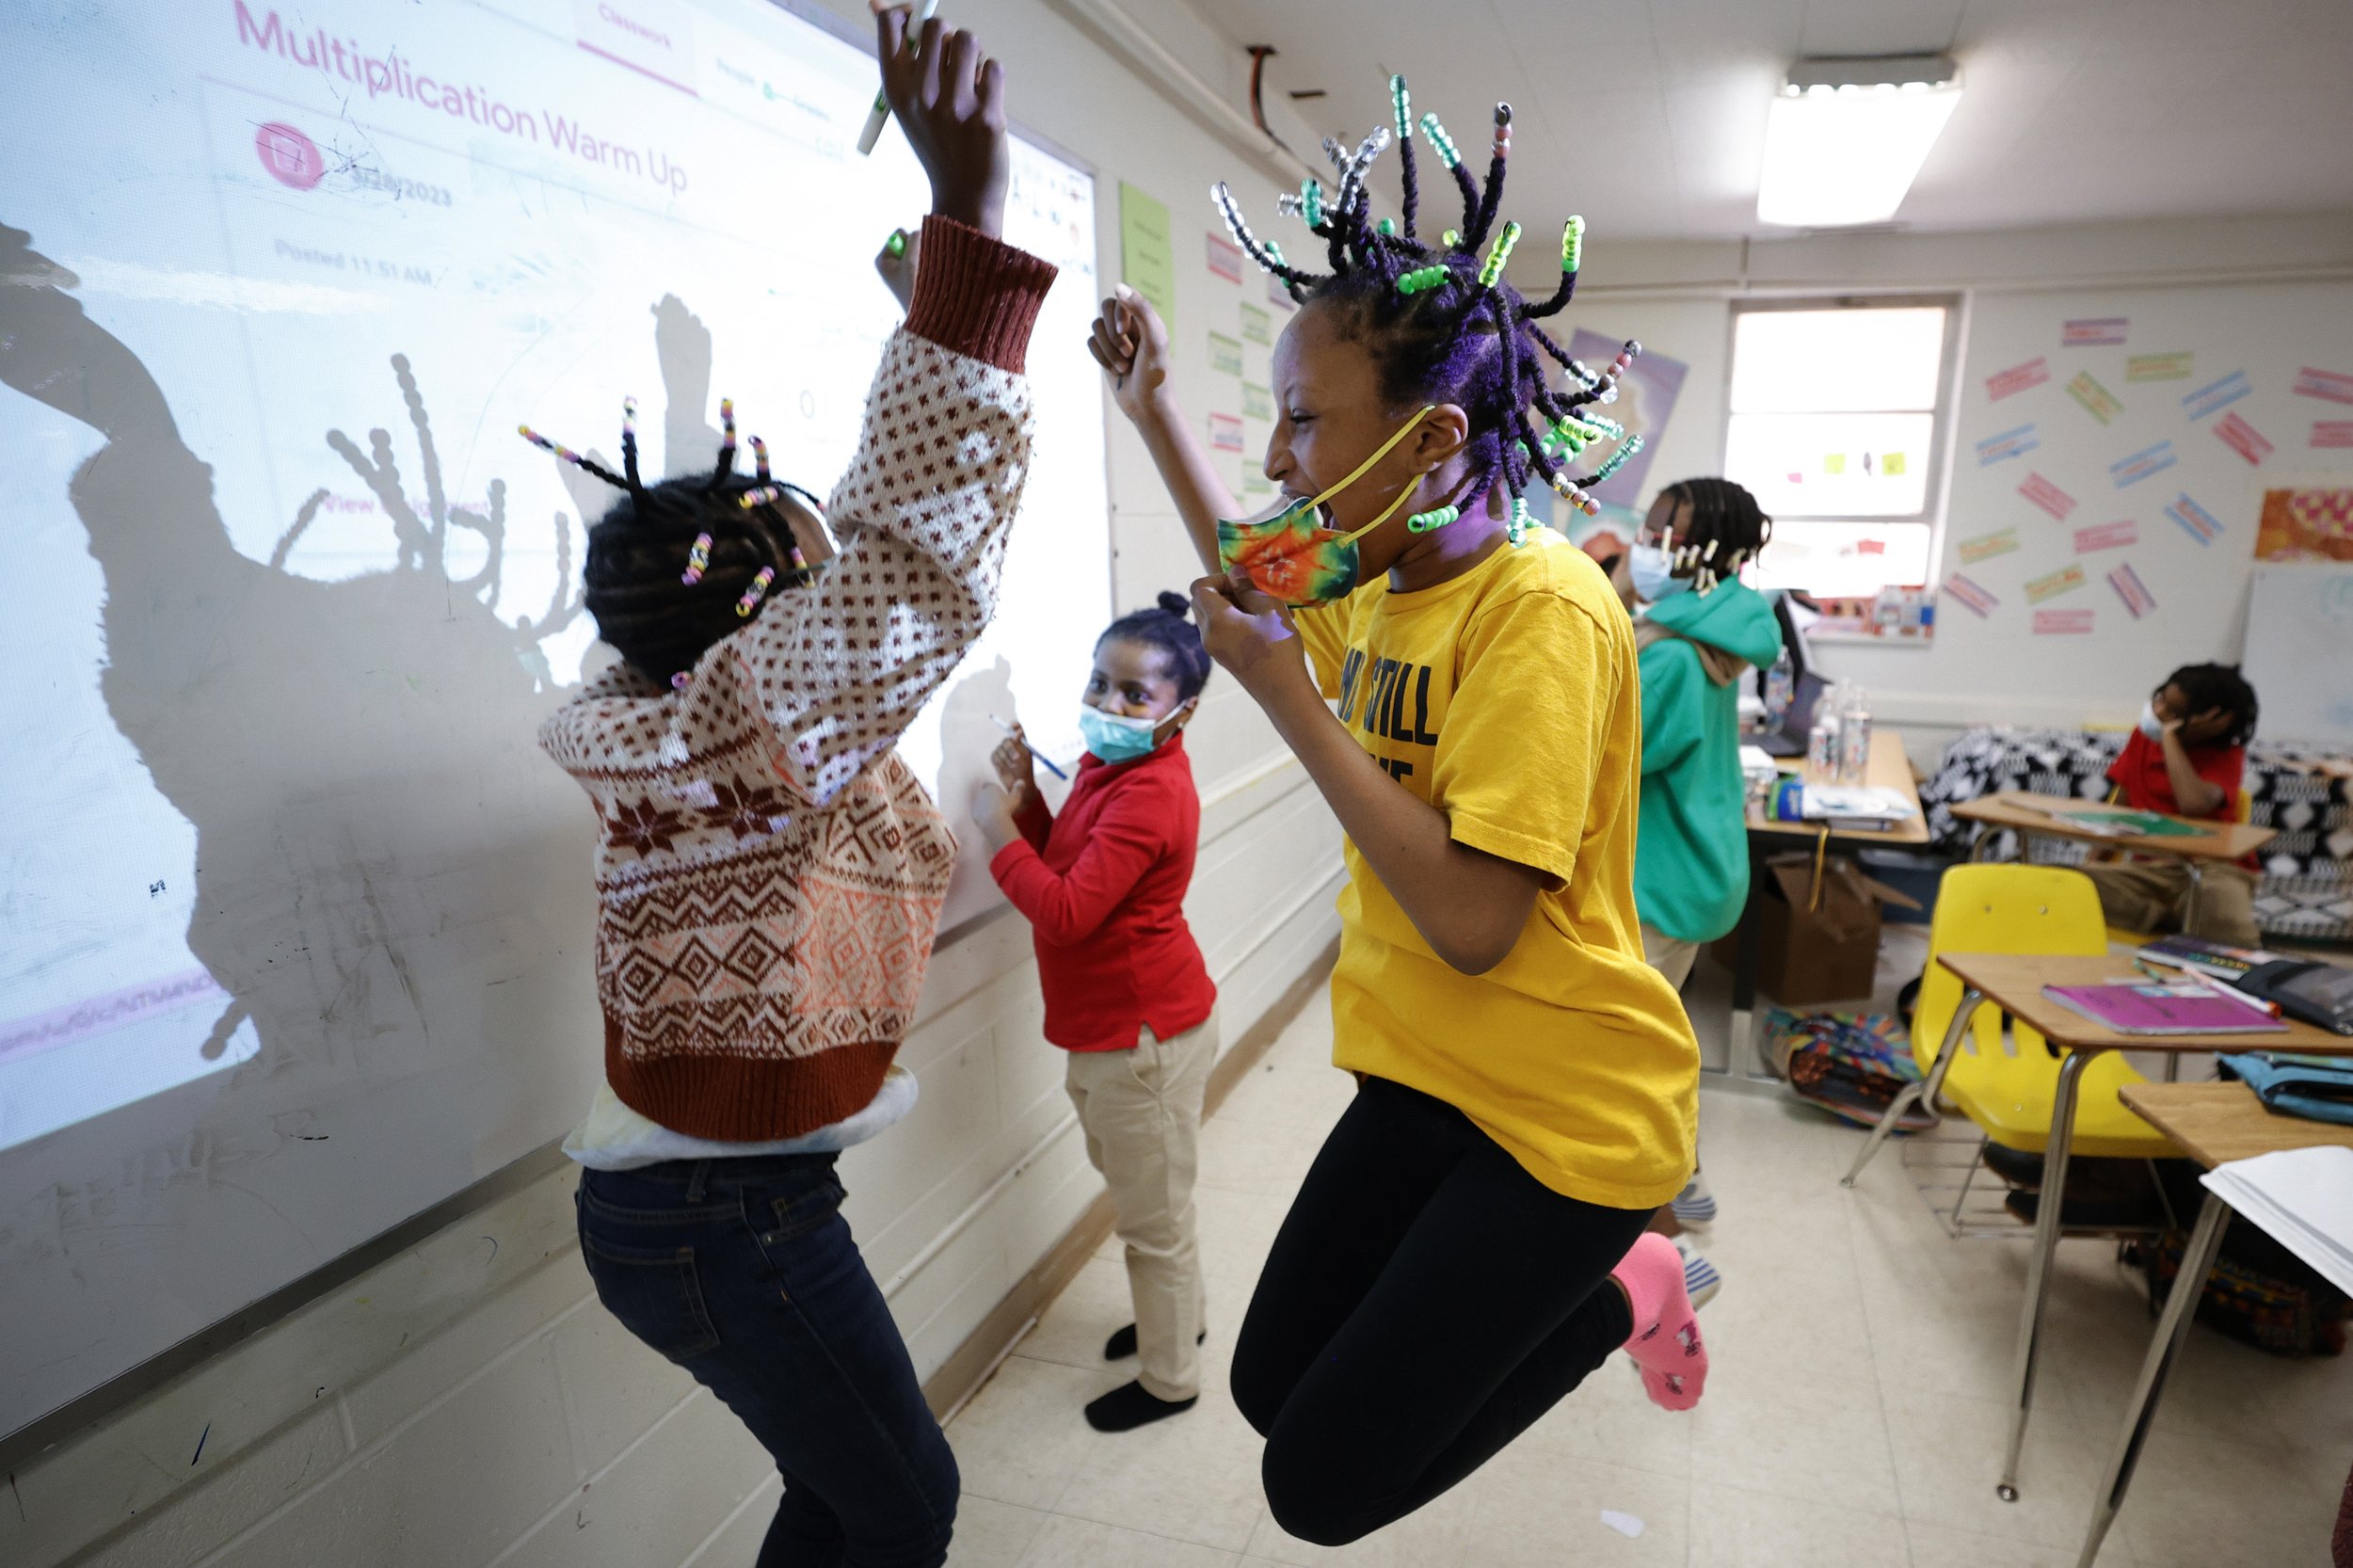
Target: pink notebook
(2146,1007)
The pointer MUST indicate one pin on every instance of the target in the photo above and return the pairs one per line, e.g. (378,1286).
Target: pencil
(880,114)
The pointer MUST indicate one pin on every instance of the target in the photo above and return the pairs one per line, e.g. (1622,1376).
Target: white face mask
(1653,575)
(2151,725)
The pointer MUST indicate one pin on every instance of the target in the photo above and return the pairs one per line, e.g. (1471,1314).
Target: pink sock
(1665,1343)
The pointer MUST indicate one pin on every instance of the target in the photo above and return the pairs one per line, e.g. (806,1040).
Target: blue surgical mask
(1654,576)
(1116,739)
(2151,725)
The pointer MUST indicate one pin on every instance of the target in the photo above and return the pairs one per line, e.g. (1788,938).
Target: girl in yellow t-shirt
(1462,687)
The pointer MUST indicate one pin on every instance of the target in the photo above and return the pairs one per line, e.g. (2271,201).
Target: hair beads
(1440,143)
(1498,253)
(760,458)
(1478,347)
(758,590)
(1425,522)
(726,437)
(587,464)
(1522,520)
(697,560)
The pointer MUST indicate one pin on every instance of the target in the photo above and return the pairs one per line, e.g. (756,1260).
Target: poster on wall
(1647,396)
(2312,522)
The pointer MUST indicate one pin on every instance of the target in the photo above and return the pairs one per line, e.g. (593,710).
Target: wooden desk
(2014,982)
(2214,1123)
(2023,812)
(1888,769)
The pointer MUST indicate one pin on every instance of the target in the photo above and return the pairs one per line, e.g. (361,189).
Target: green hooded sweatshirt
(1691,850)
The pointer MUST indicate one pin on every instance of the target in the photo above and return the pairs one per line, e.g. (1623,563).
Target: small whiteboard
(2299,644)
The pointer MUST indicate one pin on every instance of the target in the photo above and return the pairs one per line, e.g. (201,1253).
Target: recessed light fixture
(1847,137)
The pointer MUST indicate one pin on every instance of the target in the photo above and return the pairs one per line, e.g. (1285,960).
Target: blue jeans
(745,1272)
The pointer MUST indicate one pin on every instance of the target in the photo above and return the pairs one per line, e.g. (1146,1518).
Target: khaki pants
(2153,895)
(1140,1109)
(1671,956)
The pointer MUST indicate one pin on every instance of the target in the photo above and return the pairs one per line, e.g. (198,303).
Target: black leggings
(1426,1300)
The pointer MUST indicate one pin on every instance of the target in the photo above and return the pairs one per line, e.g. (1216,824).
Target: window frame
(1943,415)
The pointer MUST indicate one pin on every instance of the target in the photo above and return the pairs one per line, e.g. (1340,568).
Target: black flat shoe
(1129,1406)
(1122,1344)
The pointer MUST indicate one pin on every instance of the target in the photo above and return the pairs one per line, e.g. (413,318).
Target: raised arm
(1130,342)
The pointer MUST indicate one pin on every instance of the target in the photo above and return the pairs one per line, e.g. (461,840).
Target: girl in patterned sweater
(770,873)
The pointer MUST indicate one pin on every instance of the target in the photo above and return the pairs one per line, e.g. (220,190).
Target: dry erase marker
(880,112)
(1016,732)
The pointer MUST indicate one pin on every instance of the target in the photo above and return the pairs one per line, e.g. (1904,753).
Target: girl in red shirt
(1127,994)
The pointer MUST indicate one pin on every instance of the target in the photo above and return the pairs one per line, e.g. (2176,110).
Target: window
(1835,424)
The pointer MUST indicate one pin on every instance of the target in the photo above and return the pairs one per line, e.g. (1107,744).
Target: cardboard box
(1816,943)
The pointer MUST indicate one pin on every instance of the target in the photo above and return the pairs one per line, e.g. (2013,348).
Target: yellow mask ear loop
(1366,466)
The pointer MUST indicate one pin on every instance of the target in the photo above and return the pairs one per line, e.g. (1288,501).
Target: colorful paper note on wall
(2047,496)
(2062,623)
(2332,432)
(2314,524)
(2106,536)
(2017,378)
(2000,448)
(2141,464)
(1970,595)
(1279,295)
(1224,355)
(1257,402)
(2097,400)
(2051,585)
(2094,332)
(1225,258)
(1834,462)
(2216,395)
(2328,384)
(1224,433)
(1891,464)
(2242,438)
(2159,367)
(1986,546)
(2138,599)
(1146,265)
(2196,521)
(1257,326)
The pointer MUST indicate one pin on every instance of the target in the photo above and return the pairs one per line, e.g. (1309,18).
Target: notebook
(2219,959)
(2120,823)
(2303,1198)
(2147,1007)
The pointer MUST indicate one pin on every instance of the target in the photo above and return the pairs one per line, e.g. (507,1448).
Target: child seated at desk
(2186,759)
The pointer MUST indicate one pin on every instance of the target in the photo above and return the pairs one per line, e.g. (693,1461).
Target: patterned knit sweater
(770,873)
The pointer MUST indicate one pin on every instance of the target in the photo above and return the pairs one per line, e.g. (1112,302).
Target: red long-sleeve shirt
(1103,885)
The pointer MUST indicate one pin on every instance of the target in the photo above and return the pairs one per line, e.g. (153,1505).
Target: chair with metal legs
(2008,908)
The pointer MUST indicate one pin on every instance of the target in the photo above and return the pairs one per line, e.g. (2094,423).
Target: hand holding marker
(1015,730)
(880,114)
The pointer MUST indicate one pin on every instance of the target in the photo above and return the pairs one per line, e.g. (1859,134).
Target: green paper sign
(1224,355)
(1147,263)
(1257,326)
(1256,402)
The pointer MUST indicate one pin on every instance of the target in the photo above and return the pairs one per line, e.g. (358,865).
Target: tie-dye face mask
(1291,552)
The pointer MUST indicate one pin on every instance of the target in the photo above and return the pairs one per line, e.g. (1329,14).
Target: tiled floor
(1854,1415)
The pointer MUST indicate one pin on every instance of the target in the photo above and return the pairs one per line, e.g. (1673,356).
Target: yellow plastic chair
(2008,1092)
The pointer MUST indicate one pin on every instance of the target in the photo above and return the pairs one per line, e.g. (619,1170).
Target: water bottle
(1821,743)
(1780,687)
(1854,738)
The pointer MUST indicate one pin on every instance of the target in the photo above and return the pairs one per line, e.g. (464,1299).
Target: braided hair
(1440,323)
(1168,628)
(1717,529)
(2219,686)
(675,567)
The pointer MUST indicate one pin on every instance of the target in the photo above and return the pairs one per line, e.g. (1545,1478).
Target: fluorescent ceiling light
(1847,137)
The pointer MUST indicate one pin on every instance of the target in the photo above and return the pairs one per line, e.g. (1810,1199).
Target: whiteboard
(2299,626)
(295,919)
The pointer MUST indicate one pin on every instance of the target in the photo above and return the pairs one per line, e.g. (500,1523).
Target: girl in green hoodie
(1697,625)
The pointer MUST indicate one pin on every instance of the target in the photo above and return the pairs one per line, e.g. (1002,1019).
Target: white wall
(2267,295)
(469,1402)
